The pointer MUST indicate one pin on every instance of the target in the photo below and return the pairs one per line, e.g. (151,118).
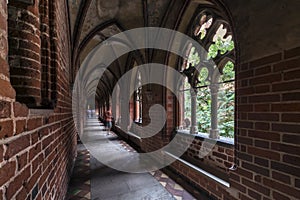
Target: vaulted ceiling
(261,27)
(93,21)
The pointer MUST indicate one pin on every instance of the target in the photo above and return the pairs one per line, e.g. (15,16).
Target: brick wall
(268,127)
(24,51)
(221,156)
(37,147)
(268,94)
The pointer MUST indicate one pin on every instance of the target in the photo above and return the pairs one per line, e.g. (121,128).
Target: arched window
(208,92)
(138,99)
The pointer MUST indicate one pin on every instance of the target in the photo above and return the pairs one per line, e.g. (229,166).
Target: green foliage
(194,58)
(228,72)
(226,99)
(203,76)
(226,109)
(203,110)
(226,95)
(220,46)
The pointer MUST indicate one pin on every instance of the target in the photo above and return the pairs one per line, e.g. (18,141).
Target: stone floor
(93,180)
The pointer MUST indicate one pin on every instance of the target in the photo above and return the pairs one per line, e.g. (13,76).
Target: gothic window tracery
(209,85)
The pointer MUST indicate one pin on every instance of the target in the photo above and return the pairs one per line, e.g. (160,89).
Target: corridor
(211,85)
(93,180)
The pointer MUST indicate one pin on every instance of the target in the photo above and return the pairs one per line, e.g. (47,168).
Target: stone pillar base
(193,130)
(214,134)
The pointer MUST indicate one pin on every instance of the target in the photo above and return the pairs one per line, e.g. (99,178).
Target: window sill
(201,171)
(130,133)
(222,141)
(134,135)
(41,112)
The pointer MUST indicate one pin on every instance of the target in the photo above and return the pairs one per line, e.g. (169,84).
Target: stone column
(214,131)
(194,127)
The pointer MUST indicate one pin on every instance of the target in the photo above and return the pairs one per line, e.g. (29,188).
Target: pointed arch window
(209,91)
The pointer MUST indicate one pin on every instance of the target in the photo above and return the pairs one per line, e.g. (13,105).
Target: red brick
(264,98)
(292,75)
(32,180)
(263,116)
(3,65)
(272,136)
(238,186)
(290,117)
(22,160)
(6,90)
(36,163)
(254,194)
(245,140)
(264,153)
(286,148)
(286,107)
(262,70)
(287,65)
(34,123)
(17,145)
(20,110)
(244,173)
(34,151)
(293,96)
(7,171)
(262,126)
(295,52)
(44,132)
(242,196)
(28,91)
(261,162)
(257,169)
(229,152)
(262,108)
(290,159)
(262,144)
(266,60)
(34,138)
(282,167)
(27,81)
(292,139)
(262,89)
(5,109)
(270,78)
(281,187)
(46,142)
(258,178)
(1,153)
(286,128)
(256,187)
(286,86)
(6,129)
(279,196)
(245,108)
(22,194)
(17,183)
(297,183)
(281,177)
(245,91)
(20,126)
(243,66)
(245,74)
(220,155)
